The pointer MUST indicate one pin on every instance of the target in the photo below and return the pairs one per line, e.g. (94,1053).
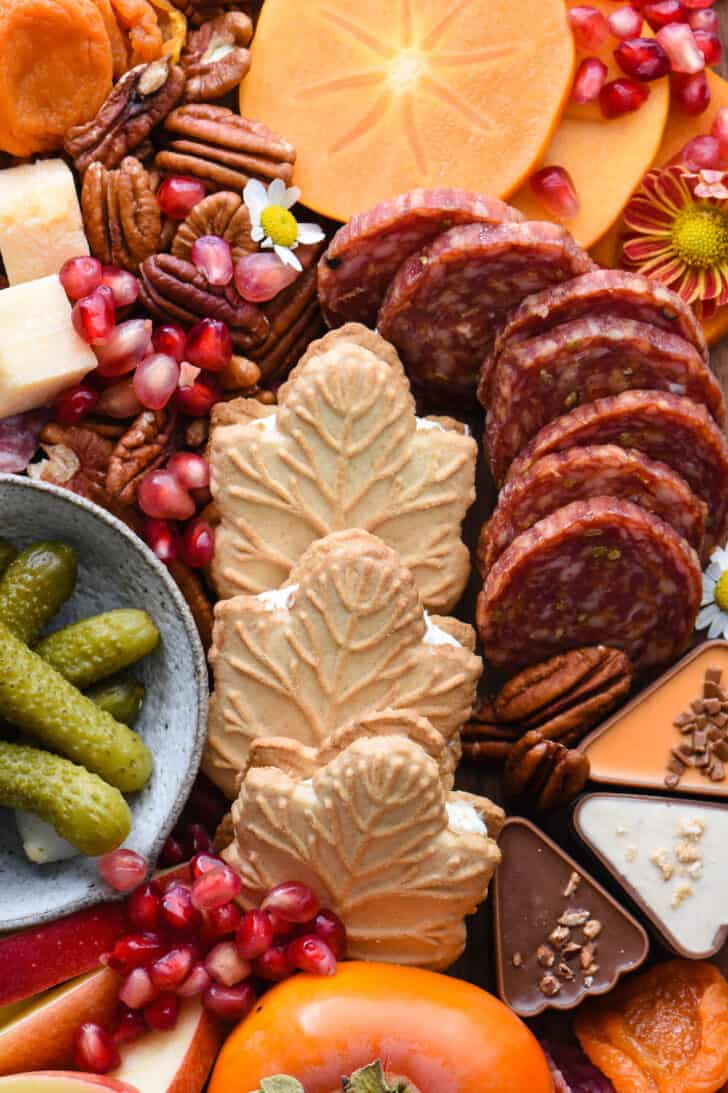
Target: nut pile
(704,729)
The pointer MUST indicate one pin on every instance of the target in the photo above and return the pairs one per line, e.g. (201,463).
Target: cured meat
(613,292)
(665,427)
(597,571)
(602,470)
(364,255)
(446,303)
(540,379)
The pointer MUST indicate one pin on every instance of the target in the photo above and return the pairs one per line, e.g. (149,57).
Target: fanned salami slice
(364,255)
(665,427)
(604,292)
(577,474)
(540,379)
(448,301)
(598,571)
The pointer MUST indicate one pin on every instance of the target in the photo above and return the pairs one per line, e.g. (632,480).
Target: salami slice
(613,292)
(447,302)
(537,380)
(602,571)
(364,255)
(665,427)
(601,470)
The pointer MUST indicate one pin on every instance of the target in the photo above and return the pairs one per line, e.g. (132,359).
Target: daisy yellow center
(721,591)
(280,225)
(700,236)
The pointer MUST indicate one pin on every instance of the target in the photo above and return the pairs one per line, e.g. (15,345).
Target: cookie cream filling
(462,818)
(434,635)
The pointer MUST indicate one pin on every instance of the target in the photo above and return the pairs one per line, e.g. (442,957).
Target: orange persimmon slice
(665,1031)
(384,96)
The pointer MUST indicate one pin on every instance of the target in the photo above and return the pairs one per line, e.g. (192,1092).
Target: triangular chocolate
(671,856)
(560,936)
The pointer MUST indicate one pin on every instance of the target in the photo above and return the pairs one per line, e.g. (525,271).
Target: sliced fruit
(177,1061)
(62,1081)
(463,95)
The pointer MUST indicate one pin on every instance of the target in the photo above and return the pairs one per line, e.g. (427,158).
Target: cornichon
(122,698)
(7,554)
(34,586)
(95,648)
(91,815)
(40,701)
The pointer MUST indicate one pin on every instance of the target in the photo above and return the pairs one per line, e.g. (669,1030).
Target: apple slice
(62,1081)
(178,1061)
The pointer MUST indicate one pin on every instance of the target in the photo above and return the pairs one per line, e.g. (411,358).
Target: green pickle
(7,554)
(35,586)
(40,701)
(122,698)
(95,648)
(84,810)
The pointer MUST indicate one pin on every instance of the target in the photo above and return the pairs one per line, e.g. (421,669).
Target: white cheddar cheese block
(40,352)
(40,220)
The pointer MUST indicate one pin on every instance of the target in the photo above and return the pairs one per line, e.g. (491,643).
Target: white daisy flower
(274,225)
(714,604)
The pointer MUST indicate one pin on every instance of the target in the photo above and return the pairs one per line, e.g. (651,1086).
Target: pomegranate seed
(130,1026)
(273,965)
(225,964)
(137,990)
(311,954)
(555,190)
(155,380)
(215,888)
(701,153)
(255,935)
(198,398)
(93,1049)
(197,840)
(196,982)
(282,929)
(678,41)
(719,129)
(93,316)
(220,923)
(135,951)
(142,908)
(691,93)
(198,544)
(178,911)
(125,348)
(204,863)
(193,471)
(80,276)
(178,195)
(262,275)
(119,401)
(709,45)
(74,404)
(330,929)
(663,13)
(163,538)
(213,258)
(172,851)
(170,970)
(229,1003)
(590,77)
(622,96)
(209,345)
(293,901)
(160,495)
(696,5)
(162,1013)
(123,870)
(706,20)
(170,339)
(625,23)
(643,58)
(123,284)
(589,27)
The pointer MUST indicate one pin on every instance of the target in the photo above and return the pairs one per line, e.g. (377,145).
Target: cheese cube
(40,220)
(40,352)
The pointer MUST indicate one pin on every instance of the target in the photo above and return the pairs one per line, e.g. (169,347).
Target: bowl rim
(100,893)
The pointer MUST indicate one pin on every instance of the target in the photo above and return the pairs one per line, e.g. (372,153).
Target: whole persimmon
(432,1034)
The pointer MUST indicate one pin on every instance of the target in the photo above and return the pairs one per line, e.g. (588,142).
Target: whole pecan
(215,58)
(544,773)
(484,737)
(148,443)
(171,288)
(222,149)
(224,214)
(141,99)
(121,213)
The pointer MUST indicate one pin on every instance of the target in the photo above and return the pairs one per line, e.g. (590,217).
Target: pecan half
(484,737)
(224,214)
(148,443)
(174,289)
(215,58)
(141,99)
(543,772)
(121,213)
(222,149)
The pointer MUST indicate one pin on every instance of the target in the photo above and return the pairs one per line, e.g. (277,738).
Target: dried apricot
(139,19)
(55,71)
(665,1031)
(119,50)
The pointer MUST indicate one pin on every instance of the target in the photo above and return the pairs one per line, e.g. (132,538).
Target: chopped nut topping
(588,980)
(549,985)
(661,859)
(517,960)
(574,918)
(687,852)
(564,971)
(681,893)
(559,936)
(570,949)
(586,955)
(573,884)
(631,852)
(592,928)
(545,956)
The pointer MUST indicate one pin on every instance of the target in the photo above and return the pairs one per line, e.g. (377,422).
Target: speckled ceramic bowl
(115,570)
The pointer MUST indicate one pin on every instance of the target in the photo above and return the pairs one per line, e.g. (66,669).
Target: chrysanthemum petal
(288,258)
(706,616)
(292,195)
(310,233)
(277,192)
(642,248)
(255,197)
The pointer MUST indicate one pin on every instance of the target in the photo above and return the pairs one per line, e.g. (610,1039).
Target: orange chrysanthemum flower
(677,232)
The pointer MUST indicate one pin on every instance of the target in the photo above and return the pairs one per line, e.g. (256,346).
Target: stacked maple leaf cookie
(338,698)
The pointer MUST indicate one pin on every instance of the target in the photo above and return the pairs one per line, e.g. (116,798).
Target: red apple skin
(52,1079)
(199,1057)
(43,1039)
(37,959)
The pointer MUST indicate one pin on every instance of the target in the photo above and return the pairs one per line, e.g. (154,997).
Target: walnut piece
(215,58)
(147,444)
(224,214)
(121,214)
(544,772)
